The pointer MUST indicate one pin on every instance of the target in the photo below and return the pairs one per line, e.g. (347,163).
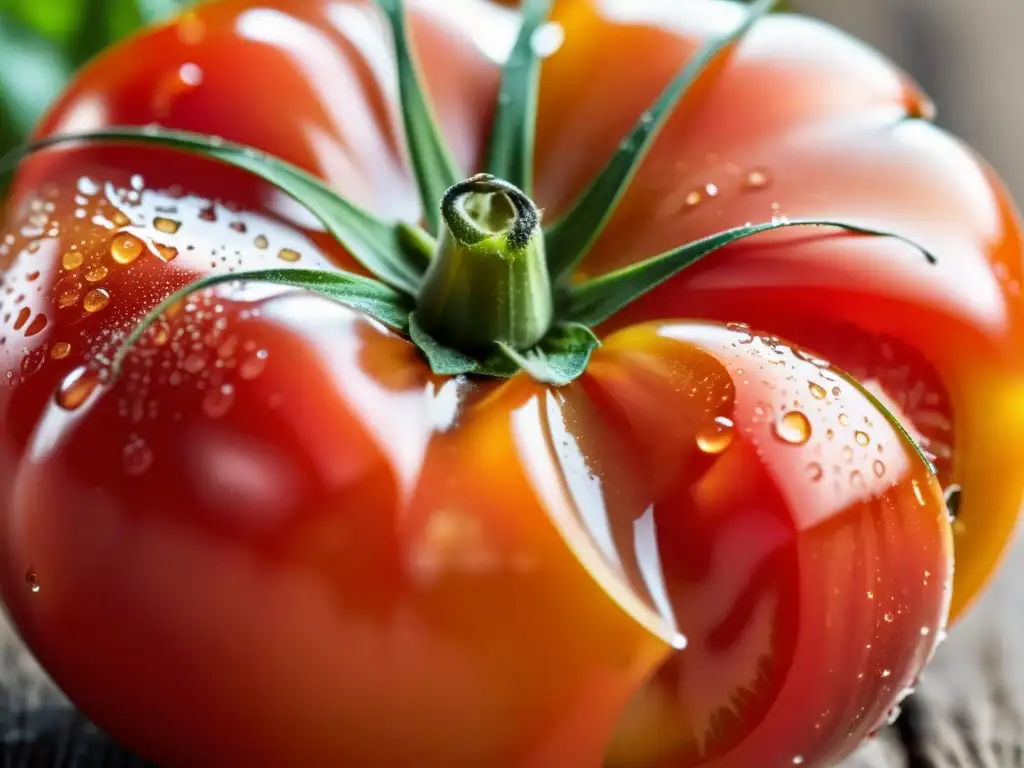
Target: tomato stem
(488,282)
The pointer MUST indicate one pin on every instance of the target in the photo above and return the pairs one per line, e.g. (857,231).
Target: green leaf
(33,71)
(373,243)
(443,360)
(571,237)
(510,153)
(561,357)
(375,299)
(432,163)
(594,301)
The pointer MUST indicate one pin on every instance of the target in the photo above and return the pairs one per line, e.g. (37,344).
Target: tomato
(277,538)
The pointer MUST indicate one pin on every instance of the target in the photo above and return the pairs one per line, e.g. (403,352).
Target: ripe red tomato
(278,539)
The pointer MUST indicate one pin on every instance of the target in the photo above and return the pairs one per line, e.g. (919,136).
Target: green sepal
(510,151)
(594,301)
(376,245)
(443,360)
(373,298)
(571,237)
(561,357)
(417,245)
(432,163)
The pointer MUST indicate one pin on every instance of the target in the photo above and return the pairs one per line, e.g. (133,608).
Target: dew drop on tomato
(253,365)
(76,388)
(137,456)
(96,273)
(96,299)
(68,293)
(165,225)
(817,391)
(22,318)
(793,427)
(218,401)
(32,580)
(757,179)
(71,260)
(124,249)
(717,436)
(287,254)
(60,350)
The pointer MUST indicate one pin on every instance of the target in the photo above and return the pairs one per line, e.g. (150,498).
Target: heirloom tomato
(650,472)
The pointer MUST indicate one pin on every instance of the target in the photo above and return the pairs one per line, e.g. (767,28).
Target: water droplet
(888,617)
(32,580)
(218,401)
(194,363)
(261,242)
(925,631)
(119,219)
(166,252)
(87,186)
(757,179)
(798,759)
(287,254)
(717,436)
(69,294)
(817,390)
(871,595)
(76,388)
(37,325)
(793,428)
(32,276)
(886,672)
(254,364)
(844,420)
(862,438)
(847,454)
(71,260)
(96,299)
(96,273)
(125,249)
(836,391)
(165,225)
(812,359)
(22,318)
(239,227)
(814,471)
(711,189)
(137,456)
(693,199)
(857,479)
(60,350)
(879,468)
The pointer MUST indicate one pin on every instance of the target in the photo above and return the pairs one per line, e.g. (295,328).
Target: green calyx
(484,288)
(488,281)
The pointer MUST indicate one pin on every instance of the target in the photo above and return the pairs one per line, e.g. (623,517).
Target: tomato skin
(839,119)
(275,483)
(157,589)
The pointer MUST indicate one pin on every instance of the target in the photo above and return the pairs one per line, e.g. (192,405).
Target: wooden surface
(969,709)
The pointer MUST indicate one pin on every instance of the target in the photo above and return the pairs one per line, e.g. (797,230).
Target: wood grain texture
(969,709)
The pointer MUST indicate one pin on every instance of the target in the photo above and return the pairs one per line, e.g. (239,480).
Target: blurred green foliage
(42,42)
